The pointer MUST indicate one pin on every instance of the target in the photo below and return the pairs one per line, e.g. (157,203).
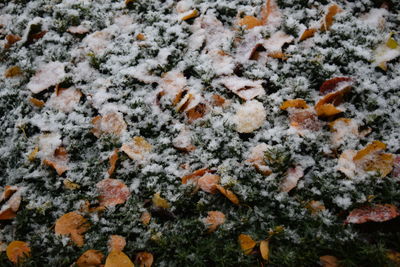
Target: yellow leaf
(160,202)
(294,103)
(246,243)
(18,250)
(391,42)
(190,14)
(394,256)
(118,259)
(32,155)
(264,249)
(374,147)
(70,185)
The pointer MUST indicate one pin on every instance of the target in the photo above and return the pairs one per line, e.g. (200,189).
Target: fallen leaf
(144,259)
(80,29)
(189,15)
(374,213)
(326,106)
(59,161)
(37,102)
(90,258)
(183,142)
(270,14)
(140,37)
(111,123)
(249,22)
(228,194)
(218,100)
(145,217)
(12,196)
(328,20)
(386,52)
(18,251)
(329,261)
(74,225)
(333,84)
(160,202)
(315,206)
(394,256)
(47,75)
(193,177)
(116,243)
(208,183)
(118,259)
(264,249)
(112,192)
(12,72)
(113,161)
(138,149)
(246,243)
(68,184)
(64,99)
(246,89)
(213,220)
(196,112)
(294,103)
(370,149)
(256,158)
(293,175)
(304,119)
(307,33)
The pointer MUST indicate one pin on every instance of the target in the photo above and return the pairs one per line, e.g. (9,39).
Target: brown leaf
(328,20)
(90,258)
(73,225)
(11,39)
(331,85)
(145,217)
(112,192)
(116,243)
(208,183)
(228,194)
(250,22)
(374,213)
(214,219)
(329,261)
(113,161)
(36,102)
(246,243)
(17,251)
(144,259)
(138,149)
(307,33)
(12,72)
(264,249)
(294,103)
(111,123)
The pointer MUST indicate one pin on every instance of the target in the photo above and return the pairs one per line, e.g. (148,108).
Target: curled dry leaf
(111,123)
(36,102)
(59,160)
(307,33)
(330,14)
(48,75)
(292,177)
(326,106)
(90,258)
(208,183)
(160,202)
(213,220)
(144,259)
(113,161)
(250,116)
(246,243)
(196,112)
(264,249)
(74,225)
(256,158)
(118,258)
(374,213)
(228,194)
(294,103)
(12,72)
(246,89)
(138,149)
(145,217)
(12,198)
(329,261)
(112,192)
(189,15)
(193,177)
(116,243)
(17,251)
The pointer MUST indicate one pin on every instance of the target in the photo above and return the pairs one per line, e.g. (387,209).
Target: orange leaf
(294,103)
(112,192)
(250,22)
(144,259)
(329,16)
(160,202)
(190,14)
(329,261)
(308,33)
(12,72)
(195,175)
(116,243)
(228,194)
(214,219)
(370,149)
(90,258)
(394,256)
(36,102)
(74,225)
(327,110)
(145,217)
(208,183)
(246,243)
(264,249)
(196,112)
(113,161)
(18,250)
(118,259)
(375,213)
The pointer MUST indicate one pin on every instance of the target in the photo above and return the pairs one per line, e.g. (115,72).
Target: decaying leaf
(118,259)
(111,123)
(17,251)
(307,33)
(208,183)
(160,202)
(264,249)
(74,225)
(370,149)
(196,112)
(116,243)
(183,142)
(326,106)
(12,198)
(250,22)
(256,158)
(144,259)
(394,256)
(64,99)
(138,149)
(37,102)
(275,43)
(373,213)
(189,15)
(11,39)
(113,161)
(213,220)
(12,72)
(48,75)
(90,258)
(270,14)
(333,84)
(59,160)
(328,20)
(193,177)
(315,206)
(112,192)
(294,103)
(145,217)
(228,194)
(329,261)
(343,128)
(304,119)
(246,243)
(68,184)
(386,52)
(140,37)
(246,89)
(292,177)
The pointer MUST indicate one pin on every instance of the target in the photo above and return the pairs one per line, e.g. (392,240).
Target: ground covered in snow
(202,133)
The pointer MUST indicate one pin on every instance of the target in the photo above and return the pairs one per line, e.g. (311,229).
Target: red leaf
(376,213)
(330,85)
